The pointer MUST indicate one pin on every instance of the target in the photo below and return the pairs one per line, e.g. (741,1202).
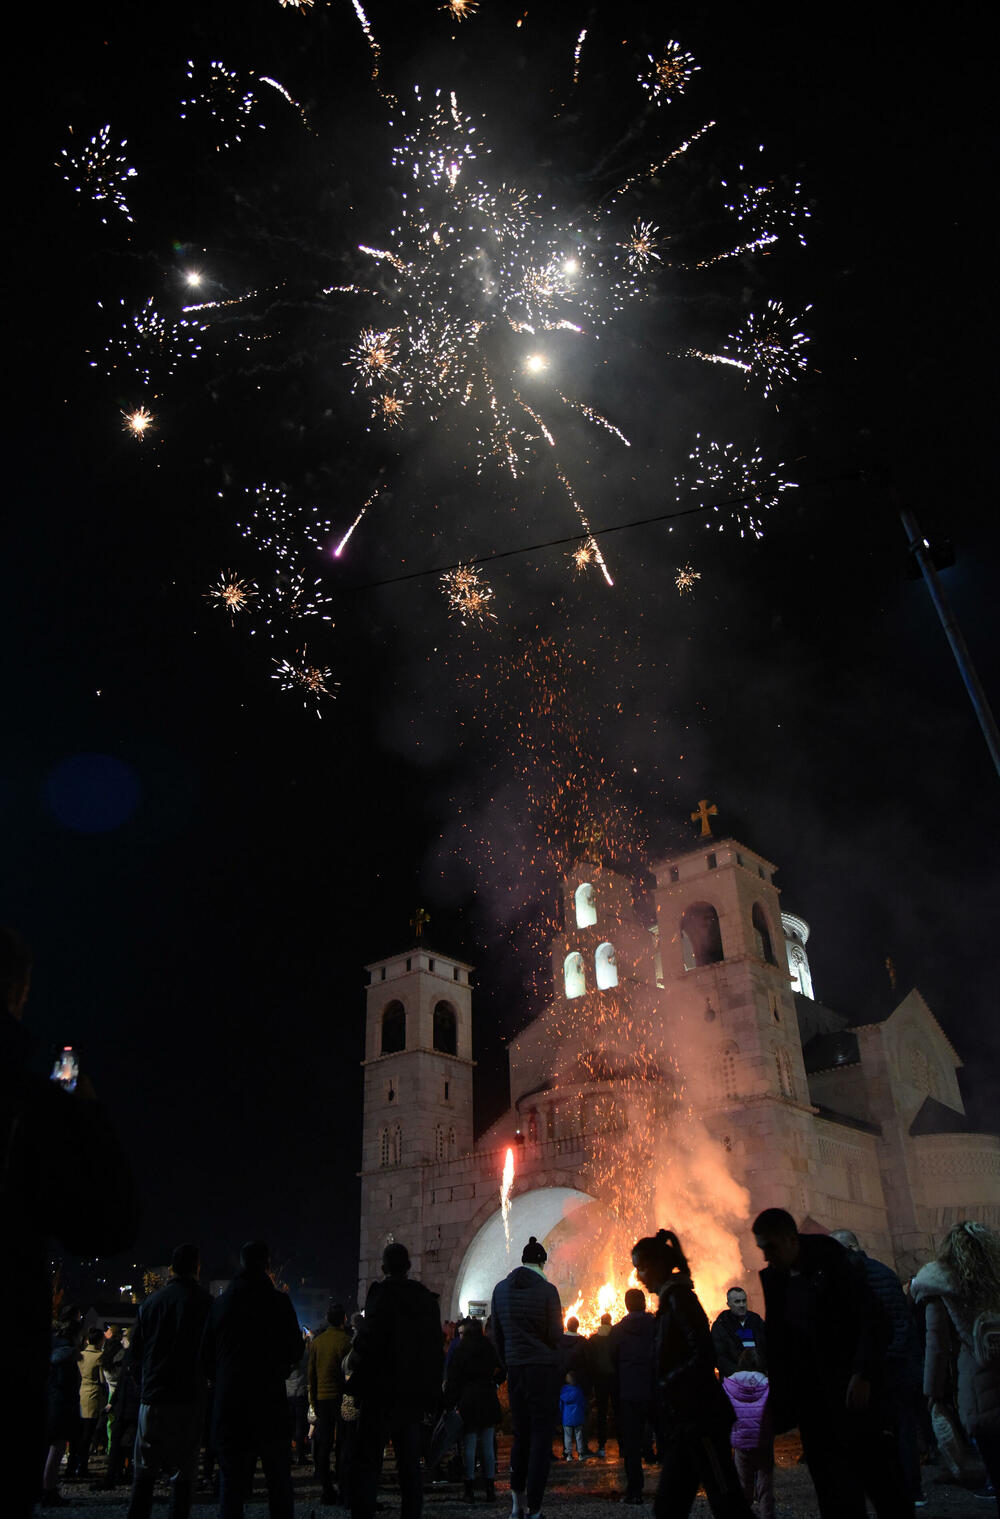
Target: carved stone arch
(701,936)
(393,1028)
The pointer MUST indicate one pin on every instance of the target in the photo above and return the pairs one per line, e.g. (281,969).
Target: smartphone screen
(66,1069)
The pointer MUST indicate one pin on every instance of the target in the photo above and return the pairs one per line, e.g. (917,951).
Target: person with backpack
(960,1291)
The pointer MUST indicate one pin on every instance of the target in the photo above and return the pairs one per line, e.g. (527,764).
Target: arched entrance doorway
(486,1260)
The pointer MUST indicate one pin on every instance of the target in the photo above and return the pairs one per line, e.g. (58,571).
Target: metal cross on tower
(420,917)
(705,811)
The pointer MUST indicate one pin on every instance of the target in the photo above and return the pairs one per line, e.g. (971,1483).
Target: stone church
(847,1122)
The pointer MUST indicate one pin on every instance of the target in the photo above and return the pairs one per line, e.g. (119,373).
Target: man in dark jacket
(252,1341)
(827,1339)
(526,1325)
(398,1352)
(735,1330)
(165,1352)
(602,1379)
(53,1143)
(632,1349)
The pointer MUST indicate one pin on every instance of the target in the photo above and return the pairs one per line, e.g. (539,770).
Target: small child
(573,1405)
(752,1435)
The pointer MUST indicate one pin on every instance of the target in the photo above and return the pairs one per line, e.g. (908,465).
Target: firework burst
(737,486)
(468,595)
(669,75)
(685,578)
(312,682)
(150,344)
(460,10)
(138,422)
(231,592)
(99,171)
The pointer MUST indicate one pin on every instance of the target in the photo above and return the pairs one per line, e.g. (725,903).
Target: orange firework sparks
(505,1186)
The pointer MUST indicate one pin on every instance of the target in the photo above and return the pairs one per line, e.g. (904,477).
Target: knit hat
(533,1253)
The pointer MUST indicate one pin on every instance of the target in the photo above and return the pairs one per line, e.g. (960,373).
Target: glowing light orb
(138,422)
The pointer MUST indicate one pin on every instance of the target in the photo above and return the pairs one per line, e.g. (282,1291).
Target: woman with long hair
(694,1413)
(961,1293)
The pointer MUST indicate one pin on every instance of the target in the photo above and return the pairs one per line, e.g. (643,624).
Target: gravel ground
(575,1491)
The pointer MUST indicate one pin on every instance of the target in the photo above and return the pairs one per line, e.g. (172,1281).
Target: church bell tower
(418,1094)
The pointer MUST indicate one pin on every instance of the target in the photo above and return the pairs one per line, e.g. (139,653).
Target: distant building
(848,1123)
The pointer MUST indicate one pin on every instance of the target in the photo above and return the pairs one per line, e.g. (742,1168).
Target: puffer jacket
(949,1318)
(748,1392)
(526,1319)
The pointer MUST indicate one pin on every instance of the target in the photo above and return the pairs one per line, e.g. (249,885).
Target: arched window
(762,935)
(701,937)
(532,1126)
(574,974)
(445,1029)
(439,1143)
(452,1145)
(393,1028)
(397,1146)
(383,1147)
(586,912)
(605,966)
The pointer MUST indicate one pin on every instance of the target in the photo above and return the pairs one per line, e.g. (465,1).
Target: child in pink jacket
(752,1434)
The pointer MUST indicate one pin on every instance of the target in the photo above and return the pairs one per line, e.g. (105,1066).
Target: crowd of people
(205,1389)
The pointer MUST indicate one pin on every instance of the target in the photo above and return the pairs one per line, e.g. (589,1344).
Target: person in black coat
(53,1143)
(526,1325)
(474,1373)
(166,1354)
(252,1341)
(397,1357)
(827,1338)
(695,1414)
(632,1347)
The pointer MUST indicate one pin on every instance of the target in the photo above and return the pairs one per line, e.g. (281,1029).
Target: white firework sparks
(99,171)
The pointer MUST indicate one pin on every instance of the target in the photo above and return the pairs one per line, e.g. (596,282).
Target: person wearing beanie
(526,1325)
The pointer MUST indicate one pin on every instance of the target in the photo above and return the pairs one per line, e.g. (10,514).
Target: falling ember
(138,422)
(505,1186)
(468,596)
(232,592)
(685,579)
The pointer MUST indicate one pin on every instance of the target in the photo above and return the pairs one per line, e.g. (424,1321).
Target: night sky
(201,864)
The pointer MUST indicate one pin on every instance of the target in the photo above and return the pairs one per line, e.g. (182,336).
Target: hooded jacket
(526,1319)
(748,1392)
(949,1319)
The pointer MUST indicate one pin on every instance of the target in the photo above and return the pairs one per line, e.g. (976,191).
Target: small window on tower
(430,965)
(586,911)
(675,874)
(447,1087)
(382,974)
(574,974)
(605,966)
(409,964)
(445,1029)
(393,1028)
(712,862)
(454,973)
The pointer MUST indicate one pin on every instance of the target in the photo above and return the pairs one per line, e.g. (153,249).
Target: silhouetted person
(326,1389)
(526,1327)
(695,1414)
(53,1144)
(632,1345)
(471,1387)
(903,1360)
(398,1357)
(602,1379)
(166,1354)
(252,1341)
(827,1338)
(737,1329)
(62,1413)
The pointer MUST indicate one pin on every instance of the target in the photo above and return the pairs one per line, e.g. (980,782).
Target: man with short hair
(165,1353)
(252,1341)
(826,1340)
(399,1352)
(735,1330)
(326,1391)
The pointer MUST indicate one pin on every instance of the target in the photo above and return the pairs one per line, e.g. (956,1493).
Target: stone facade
(846,1124)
